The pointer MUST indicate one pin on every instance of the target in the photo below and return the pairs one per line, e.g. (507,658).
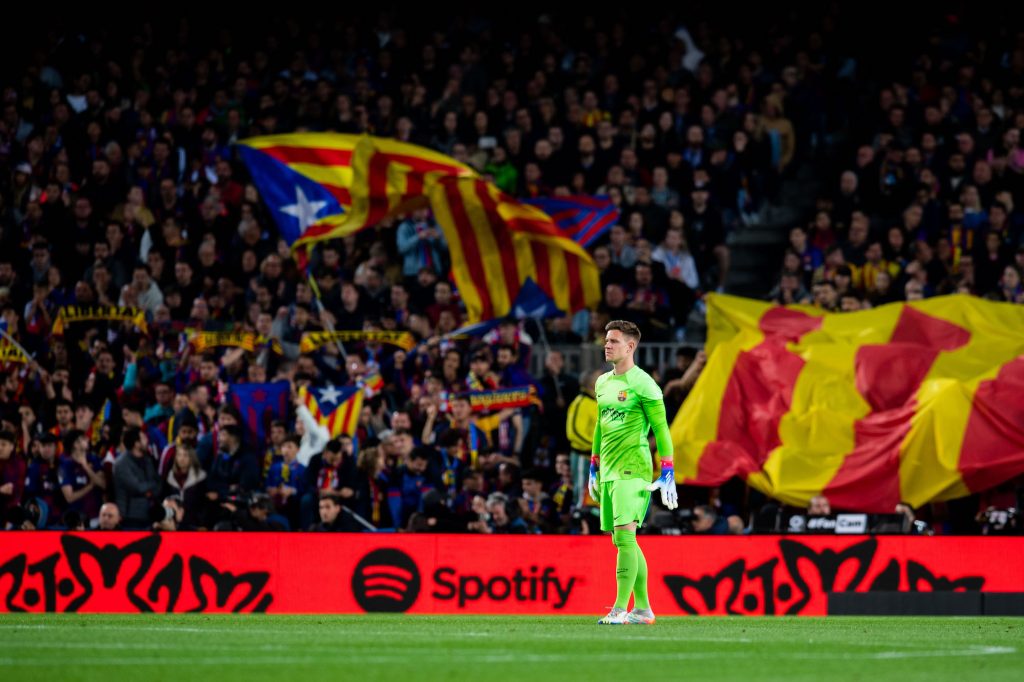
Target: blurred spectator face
(496,508)
(993,242)
(848,183)
(858,229)
(505,357)
(969,198)
(914,290)
(329,510)
(956,164)
(614,296)
(602,258)
(399,297)
(586,146)
(798,239)
(83,209)
(532,488)
(461,409)
(417,465)
(442,293)
(695,137)
(64,416)
(825,295)
(965,144)
(618,236)
(554,362)
(1011,278)
(849,304)
(110,516)
(643,275)
(865,155)
(446,322)
(982,173)
(702,520)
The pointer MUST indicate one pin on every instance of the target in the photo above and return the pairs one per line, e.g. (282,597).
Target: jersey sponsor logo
(622,396)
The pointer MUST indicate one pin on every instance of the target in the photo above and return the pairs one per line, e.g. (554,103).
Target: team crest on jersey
(622,396)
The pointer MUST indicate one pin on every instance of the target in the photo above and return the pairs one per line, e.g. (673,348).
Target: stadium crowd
(121,187)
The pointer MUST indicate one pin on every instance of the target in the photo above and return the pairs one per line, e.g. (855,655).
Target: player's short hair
(626,327)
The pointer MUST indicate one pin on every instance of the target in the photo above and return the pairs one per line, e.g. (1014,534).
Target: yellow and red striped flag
(309,181)
(335,408)
(497,243)
(912,402)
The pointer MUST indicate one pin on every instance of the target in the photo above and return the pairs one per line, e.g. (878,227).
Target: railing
(580,360)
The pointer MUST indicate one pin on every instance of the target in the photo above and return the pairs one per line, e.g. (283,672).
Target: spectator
(136,481)
(186,483)
(109,517)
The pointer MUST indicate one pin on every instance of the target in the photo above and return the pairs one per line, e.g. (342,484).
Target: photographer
(249,515)
(170,515)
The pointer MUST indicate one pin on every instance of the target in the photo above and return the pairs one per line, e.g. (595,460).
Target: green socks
(640,600)
(626,566)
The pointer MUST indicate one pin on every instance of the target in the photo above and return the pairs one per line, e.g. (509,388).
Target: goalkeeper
(629,405)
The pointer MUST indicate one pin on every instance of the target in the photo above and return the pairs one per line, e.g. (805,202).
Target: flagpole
(21,348)
(326,322)
(547,351)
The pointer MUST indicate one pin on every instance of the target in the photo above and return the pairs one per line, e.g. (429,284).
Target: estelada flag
(912,402)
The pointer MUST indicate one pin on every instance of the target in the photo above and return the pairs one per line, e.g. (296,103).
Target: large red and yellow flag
(912,402)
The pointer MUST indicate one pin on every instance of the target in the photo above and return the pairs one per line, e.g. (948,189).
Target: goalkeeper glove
(667,484)
(592,483)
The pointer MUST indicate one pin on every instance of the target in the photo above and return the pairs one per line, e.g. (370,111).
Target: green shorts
(624,501)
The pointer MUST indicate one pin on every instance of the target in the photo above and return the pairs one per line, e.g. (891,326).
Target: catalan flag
(580,218)
(913,402)
(307,181)
(497,243)
(335,408)
(372,384)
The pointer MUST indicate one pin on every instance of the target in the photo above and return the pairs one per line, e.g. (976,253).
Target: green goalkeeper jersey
(629,405)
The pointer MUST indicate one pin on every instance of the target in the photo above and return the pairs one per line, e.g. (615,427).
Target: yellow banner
(312,341)
(249,341)
(70,314)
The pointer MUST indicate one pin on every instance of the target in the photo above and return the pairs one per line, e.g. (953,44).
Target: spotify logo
(386,580)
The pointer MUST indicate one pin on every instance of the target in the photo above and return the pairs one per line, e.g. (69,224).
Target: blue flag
(582,219)
(254,401)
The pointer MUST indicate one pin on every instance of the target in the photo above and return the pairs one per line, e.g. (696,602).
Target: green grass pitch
(532,649)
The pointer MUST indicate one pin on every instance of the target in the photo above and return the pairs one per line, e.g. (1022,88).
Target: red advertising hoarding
(460,574)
